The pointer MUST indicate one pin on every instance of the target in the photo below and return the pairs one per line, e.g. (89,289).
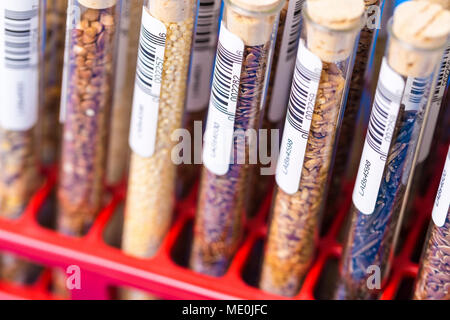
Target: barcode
(301,85)
(221,92)
(19,33)
(206,20)
(380,117)
(146,71)
(294,31)
(443,75)
(417,90)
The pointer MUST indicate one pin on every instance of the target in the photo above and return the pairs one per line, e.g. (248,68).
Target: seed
(85,128)
(219,222)
(284,276)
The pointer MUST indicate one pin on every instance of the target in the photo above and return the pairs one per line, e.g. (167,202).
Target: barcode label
(147,91)
(19,57)
(286,61)
(205,44)
(298,121)
(382,123)
(222,107)
(435,107)
(442,201)
(415,93)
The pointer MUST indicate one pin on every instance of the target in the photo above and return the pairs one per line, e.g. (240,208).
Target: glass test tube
(198,92)
(433,281)
(240,77)
(20,54)
(424,170)
(321,80)
(283,65)
(130,23)
(349,123)
(88,82)
(49,133)
(159,99)
(406,77)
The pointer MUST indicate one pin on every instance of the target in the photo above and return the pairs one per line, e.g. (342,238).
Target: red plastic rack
(104,267)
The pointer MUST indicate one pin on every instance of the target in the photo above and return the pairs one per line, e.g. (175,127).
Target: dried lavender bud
(89,75)
(219,222)
(293,231)
(371,236)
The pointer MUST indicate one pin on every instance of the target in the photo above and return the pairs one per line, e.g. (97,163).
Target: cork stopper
(252,20)
(444,3)
(332,27)
(171,10)
(98,4)
(416,48)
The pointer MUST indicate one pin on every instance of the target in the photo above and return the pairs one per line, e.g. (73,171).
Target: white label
(222,107)
(442,202)
(286,62)
(19,57)
(436,103)
(205,44)
(122,55)
(378,139)
(298,121)
(414,94)
(147,91)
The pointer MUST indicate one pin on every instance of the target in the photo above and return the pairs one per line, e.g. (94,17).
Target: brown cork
(246,19)
(171,10)
(444,3)
(98,4)
(416,48)
(333,27)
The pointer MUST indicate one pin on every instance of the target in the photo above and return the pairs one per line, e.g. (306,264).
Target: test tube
(437,96)
(276,103)
(118,155)
(20,54)
(349,123)
(88,83)
(198,91)
(159,99)
(433,281)
(49,129)
(240,78)
(406,78)
(321,80)
(424,171)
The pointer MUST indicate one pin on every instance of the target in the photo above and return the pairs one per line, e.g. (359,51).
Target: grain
(294,227)
(433,281)
(151,188)
(222,200)
(90,69)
